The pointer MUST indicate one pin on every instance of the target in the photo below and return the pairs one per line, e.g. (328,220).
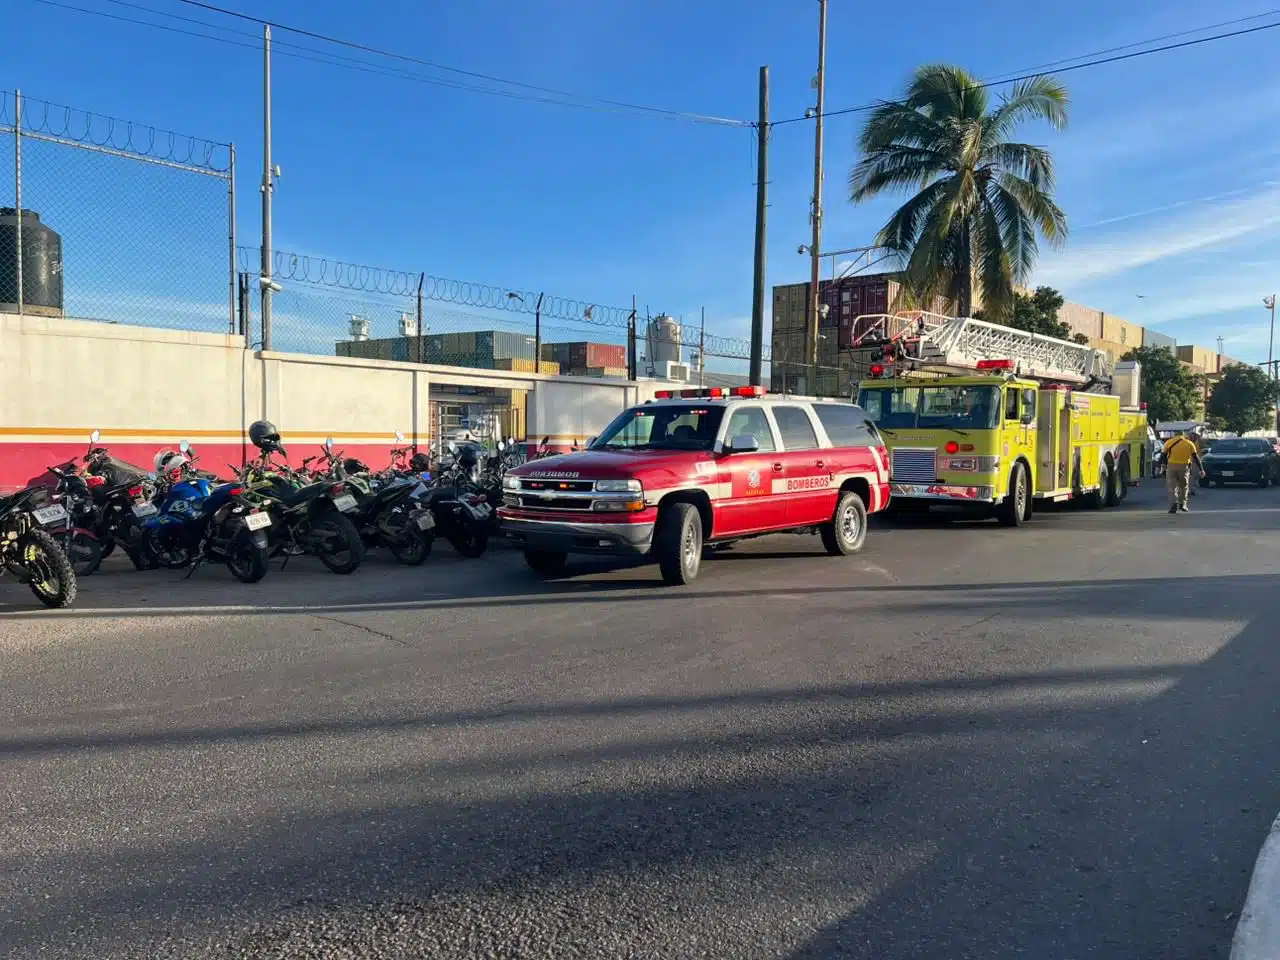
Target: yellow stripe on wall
(232,435)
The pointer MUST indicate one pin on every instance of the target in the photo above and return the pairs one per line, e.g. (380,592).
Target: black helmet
(264,435)
(352,465)
(467,456)
(419,463)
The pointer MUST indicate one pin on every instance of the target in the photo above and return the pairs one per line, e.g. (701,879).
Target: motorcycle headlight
(618,486)
(510,483)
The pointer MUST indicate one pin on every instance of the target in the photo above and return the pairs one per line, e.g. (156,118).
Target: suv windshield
(665,426)
(944,407)
(1238,447)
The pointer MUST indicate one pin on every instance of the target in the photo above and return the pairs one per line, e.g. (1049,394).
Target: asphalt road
(1056,742)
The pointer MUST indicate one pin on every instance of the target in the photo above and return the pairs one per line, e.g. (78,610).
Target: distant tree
(1037,313)
(1244,399)
(1080,338)
(1166,386)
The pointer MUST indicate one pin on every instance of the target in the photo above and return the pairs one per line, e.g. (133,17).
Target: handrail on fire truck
(959,344)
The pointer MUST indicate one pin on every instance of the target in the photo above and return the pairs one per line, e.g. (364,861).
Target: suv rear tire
(678,543)
(545,563)
(847,531)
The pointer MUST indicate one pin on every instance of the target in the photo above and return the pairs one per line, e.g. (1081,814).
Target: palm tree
(981,199)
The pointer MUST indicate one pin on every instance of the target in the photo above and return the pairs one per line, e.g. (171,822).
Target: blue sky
(1169,173)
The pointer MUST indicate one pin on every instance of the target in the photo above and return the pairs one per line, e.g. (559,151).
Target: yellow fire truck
(979,414)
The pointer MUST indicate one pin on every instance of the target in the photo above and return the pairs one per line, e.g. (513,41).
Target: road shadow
(1103,813)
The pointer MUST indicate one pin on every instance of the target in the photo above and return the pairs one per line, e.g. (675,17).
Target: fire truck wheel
(1125,478)
(1114,496)
(1015,509)
(1099,498)
(545,563)
(847,531)
(678,544)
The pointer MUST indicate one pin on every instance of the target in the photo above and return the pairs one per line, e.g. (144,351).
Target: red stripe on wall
(22,462)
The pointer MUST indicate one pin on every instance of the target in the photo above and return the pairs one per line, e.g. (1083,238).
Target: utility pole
(1270,304)
(267,188)
(702,345)
(537,334)
(762,207)
(820,83)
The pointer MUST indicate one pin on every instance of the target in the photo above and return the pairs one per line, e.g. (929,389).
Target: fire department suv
(698,467)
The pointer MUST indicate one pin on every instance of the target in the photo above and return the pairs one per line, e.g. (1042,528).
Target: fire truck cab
(701,466)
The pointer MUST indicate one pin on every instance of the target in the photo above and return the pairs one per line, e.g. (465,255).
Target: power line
(473,74)
(1098,62)
(252,42)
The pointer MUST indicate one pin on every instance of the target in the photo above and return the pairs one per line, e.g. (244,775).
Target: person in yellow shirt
(1180,452)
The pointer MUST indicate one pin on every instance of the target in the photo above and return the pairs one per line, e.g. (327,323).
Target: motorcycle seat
(436,494)
(304,494)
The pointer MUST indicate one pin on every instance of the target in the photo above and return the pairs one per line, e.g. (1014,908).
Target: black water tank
(41,264)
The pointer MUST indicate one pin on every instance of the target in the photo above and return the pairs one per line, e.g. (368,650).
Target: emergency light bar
(717,393)
(995,364)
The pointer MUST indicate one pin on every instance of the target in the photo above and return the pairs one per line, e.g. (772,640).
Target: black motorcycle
(123,495)
(31,554)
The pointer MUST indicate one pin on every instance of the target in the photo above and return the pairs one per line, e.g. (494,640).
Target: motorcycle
(122,495)
(30,553)
(74,529)
(390,512)
(462,514)
(307,517)
(200,520)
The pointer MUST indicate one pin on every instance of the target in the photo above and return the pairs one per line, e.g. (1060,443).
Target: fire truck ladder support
(957,344)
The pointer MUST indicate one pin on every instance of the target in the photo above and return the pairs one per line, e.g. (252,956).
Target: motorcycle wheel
(471,543)
(84,552)
(247,563)
(157,554)
(413,550)
(53,580)
(349,547)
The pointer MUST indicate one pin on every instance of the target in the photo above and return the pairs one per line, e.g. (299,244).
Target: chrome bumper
(951,492)
(560,536)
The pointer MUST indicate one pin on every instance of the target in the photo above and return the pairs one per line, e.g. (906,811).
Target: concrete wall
(145,389)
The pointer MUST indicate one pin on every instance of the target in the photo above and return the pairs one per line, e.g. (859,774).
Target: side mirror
(1028,417)
(328,444)
(399,437)
(453,447)
(185,446)
(744,443)
(591,441)
(93,437)
(501,446)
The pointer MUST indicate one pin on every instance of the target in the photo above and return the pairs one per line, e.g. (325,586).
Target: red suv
(701,466)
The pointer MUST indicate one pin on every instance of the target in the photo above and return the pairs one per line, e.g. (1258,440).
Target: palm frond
(903,229)
(895,168)
(994,273)
(1039,207)
(1017,231)
(1031,163)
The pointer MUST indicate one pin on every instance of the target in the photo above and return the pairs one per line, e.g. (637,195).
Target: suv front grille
(915,465)
(570,486)
(549,501)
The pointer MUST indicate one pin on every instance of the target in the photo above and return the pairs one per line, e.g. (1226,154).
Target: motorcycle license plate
(426,521)
(144,510)
(48,515)
(257,521)
(481,510)
(346,503)
(1228,473)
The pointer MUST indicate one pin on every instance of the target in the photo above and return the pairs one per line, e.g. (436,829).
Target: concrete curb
(1258,932)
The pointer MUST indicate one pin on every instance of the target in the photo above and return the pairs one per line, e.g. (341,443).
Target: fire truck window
(1011,404)
(845,424)
(751,420)
(795,427)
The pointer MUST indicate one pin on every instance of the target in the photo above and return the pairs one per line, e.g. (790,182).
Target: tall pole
(815,246)
(17,191)
(702,345)
(267,187)
(1270,304)
(537,334)
(762,207)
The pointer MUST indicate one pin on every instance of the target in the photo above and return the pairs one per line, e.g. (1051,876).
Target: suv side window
(795,428)
(846,425)
(751,420)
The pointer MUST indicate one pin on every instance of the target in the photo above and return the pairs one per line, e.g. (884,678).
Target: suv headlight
(618,486)
(510,483)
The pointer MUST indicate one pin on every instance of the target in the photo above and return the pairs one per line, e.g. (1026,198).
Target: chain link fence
(118,222)
(326,305)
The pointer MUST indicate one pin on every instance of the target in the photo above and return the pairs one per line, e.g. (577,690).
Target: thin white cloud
(1169,238)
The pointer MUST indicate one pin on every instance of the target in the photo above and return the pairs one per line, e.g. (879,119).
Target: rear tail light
(95,481)
(235,491)
(337,489)
(135,491)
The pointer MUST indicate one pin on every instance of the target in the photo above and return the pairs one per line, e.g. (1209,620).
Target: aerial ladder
(931,342)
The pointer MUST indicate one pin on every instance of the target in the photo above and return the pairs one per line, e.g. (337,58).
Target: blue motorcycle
(201,519)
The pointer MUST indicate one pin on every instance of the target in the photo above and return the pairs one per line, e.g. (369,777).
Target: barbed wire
(361,278)
(144,141)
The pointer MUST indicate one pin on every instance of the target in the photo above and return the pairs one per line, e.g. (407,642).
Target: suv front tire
(678,543)
(847,531)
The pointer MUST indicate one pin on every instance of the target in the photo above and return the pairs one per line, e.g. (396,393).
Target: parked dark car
(1242,460)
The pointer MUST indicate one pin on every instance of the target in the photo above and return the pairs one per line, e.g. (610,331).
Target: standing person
(1180,453)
